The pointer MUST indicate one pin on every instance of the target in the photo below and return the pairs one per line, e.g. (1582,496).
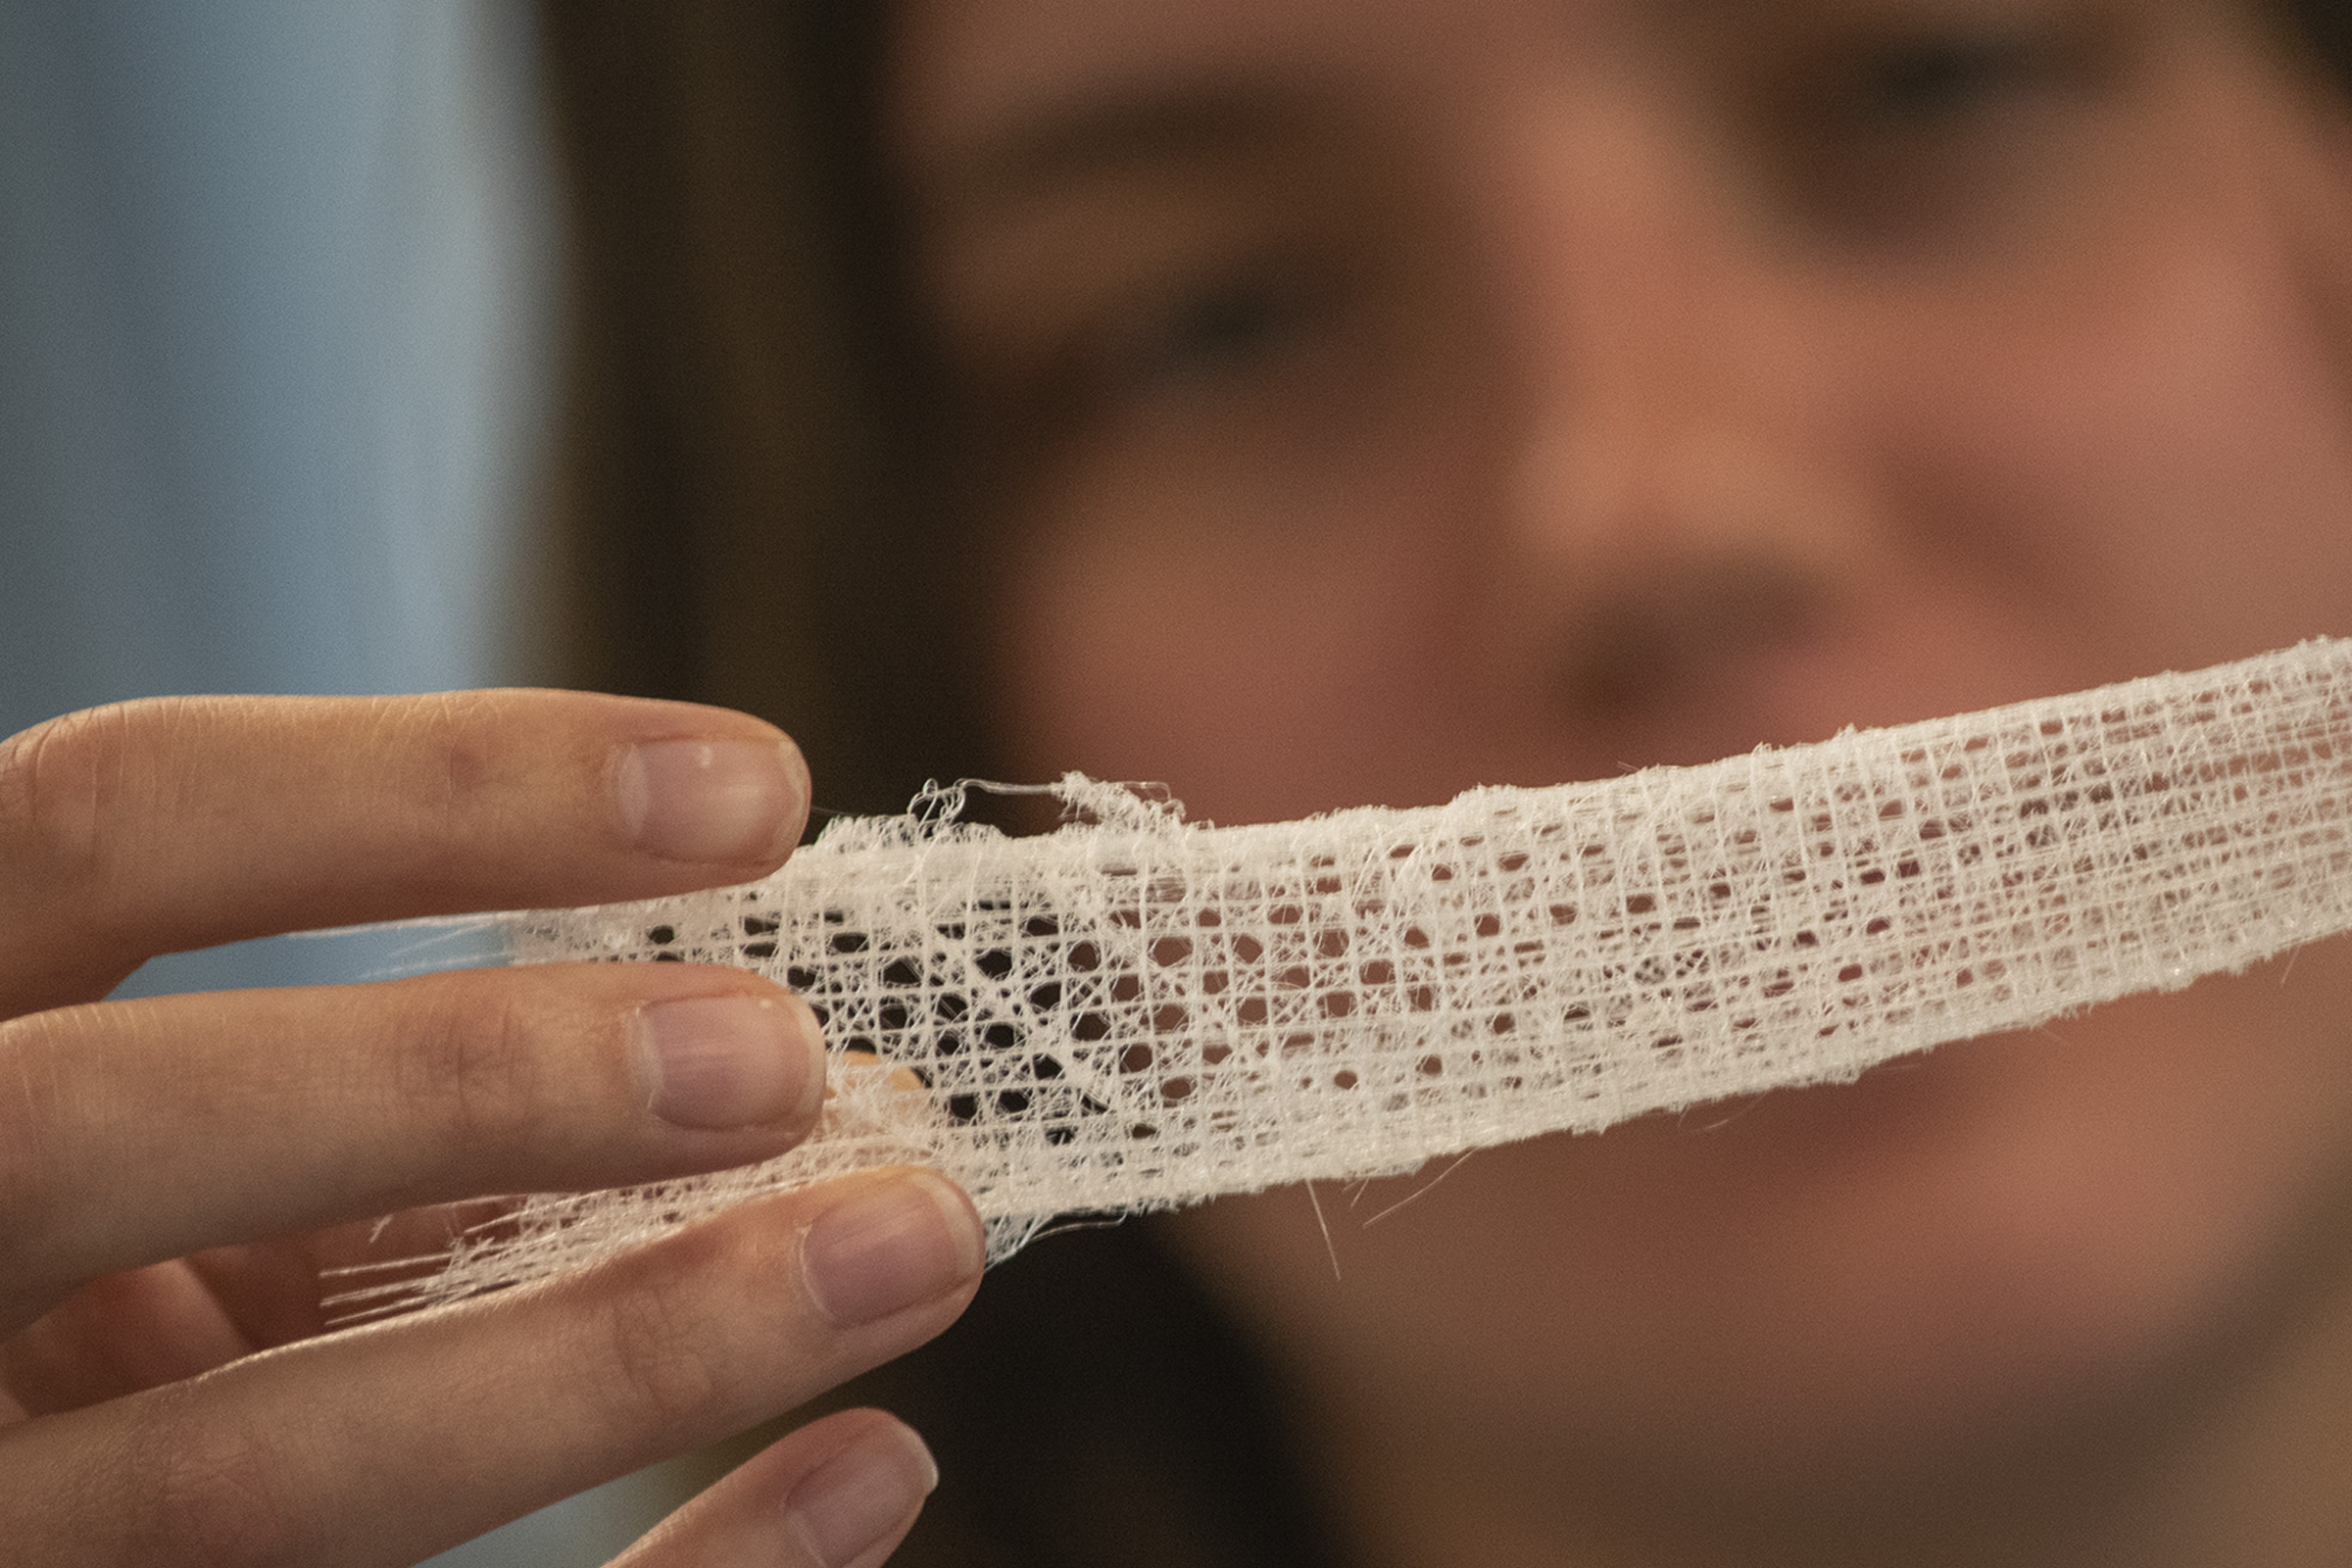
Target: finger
(840,1493)
(121,1333)
(137,1131)
(156,826)
(118,1335)
(383,1445)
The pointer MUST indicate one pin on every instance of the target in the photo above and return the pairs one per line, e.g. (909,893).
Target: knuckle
(459,751)
(661,1371)
(32,1052)
(471,1057)
(208,1491)
(60,782)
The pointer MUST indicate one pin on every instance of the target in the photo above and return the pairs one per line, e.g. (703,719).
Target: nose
(1668,513)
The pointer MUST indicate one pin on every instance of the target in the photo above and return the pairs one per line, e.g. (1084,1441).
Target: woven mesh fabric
(1134,1011)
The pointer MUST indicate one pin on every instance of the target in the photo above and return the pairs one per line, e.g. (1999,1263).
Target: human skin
(180,1176)
(1376,398)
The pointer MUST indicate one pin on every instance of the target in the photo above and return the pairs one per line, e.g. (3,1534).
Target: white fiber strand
(1135,1011)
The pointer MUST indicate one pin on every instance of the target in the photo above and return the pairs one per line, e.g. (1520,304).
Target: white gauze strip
(1133,1011)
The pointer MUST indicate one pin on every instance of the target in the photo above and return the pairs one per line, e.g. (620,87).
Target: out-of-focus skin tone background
(1388,398)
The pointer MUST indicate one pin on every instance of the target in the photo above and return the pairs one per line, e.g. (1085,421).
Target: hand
(179,1175)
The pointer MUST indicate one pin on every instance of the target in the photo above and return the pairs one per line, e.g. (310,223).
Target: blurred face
(1380,397)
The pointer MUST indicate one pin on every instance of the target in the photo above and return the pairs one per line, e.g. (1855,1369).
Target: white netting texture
(1134,1011)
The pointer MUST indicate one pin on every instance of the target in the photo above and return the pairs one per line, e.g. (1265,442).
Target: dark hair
(745,493)
(2325,26)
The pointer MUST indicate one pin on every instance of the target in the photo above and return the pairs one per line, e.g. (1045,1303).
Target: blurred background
(278,281)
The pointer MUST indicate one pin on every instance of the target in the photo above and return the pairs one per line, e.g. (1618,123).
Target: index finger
(173,823)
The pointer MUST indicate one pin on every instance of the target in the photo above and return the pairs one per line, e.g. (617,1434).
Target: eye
(1224,324)
(1933,129)
(1219,328)
(1923,83)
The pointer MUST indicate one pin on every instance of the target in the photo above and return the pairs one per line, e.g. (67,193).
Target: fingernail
(861,1497)
(731,1061)
(712,801)
(880,1251)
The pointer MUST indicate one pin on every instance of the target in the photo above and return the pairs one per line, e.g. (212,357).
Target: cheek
(1266,649)
(2152,464)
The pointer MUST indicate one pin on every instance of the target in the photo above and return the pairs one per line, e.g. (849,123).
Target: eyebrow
(1117,132)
